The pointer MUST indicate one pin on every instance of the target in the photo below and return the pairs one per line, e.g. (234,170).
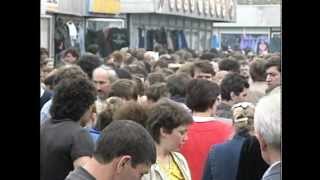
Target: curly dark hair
(232,82)
(72,51)
(201,94)
(204,66)
(72,98)
(88,62)
(274,61)
(168,115)
(70,71)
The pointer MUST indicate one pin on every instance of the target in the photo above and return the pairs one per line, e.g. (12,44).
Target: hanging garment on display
(160,36)
(184,43)
(215,42)
(169,41)
(247,42)
(141,38)
(150,36)
(118,38)
(81,40)
(72,32)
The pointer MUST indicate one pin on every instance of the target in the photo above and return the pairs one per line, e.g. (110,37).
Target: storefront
(255,23)
(175,24)
(79,23)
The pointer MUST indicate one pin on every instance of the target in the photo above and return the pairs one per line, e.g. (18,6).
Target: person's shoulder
(79,174)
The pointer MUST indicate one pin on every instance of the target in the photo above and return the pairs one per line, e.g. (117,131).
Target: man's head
(257,70)
(267,125)
(230,65)
(133,111)
(157,91)
(88,62)
(202,95)
(70,56)
(234,88)
(103,76)
(203,69)
(124,88)
(177,84)
(128,147)
(72,98)
(273,71)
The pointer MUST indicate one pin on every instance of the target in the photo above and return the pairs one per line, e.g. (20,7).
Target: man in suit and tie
(267,124)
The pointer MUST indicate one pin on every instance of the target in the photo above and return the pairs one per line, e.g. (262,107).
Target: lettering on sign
(206,7)
(192,5)
(200,6)
(212,8)
(185,5)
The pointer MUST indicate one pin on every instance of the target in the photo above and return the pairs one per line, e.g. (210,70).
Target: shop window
(45,33)
(244,41)
(69,32)
(108,34)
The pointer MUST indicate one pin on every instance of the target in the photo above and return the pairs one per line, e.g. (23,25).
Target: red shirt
(202,134)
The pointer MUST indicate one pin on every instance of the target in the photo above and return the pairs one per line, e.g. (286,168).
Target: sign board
(104,6)
(52,5)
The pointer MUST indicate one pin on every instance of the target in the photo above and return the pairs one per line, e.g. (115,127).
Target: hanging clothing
(72,32)
(169,41)
(141,38)
(184,43)
(215,42)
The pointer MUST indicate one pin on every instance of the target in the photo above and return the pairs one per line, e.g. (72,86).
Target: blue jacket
(222,162)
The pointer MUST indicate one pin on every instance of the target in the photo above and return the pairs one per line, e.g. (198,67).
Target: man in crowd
(273,71)
(125,151)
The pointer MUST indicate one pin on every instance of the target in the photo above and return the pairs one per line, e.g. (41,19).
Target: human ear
(122,162)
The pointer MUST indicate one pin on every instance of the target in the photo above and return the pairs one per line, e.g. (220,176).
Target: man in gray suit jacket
(267,124)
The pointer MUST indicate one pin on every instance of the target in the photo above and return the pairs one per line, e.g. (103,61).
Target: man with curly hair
(64,144)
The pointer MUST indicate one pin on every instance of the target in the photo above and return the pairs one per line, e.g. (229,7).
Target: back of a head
(124,88)
(72,98)
(69,71)
(88,62)
(157,91)
(229,64)
(125,137)
(72,51)
(232,82)
(243,114)
(204,66)
(105,117)
(267,119)
(177,84)
(208,56)
(201,94)
(258,71)
(133,111)
(168,115)
(155,77)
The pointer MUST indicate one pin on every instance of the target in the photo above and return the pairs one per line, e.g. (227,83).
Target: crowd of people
(160,115)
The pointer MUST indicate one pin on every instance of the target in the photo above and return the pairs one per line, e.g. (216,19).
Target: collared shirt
(269,169)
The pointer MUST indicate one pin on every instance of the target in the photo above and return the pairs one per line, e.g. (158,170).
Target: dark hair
(168,115)
(177,84)
(274,61)
(229,64)
(71,72)
(201,94)
(232,82)
(204,66)
(72,51)
(155,77)
(72,98)
(123,73)
(139,84)
(133,111)
(258,71)
(49,81)
(157,91)
(124,88)
(208,56)
(89,62)
(93,48)
(125,138)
